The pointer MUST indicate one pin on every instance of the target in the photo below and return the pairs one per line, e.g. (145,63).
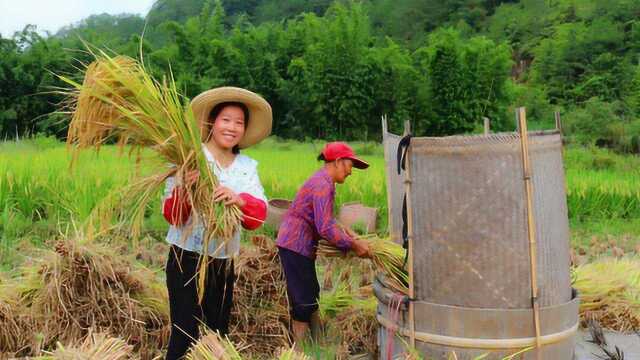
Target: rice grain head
(93,117)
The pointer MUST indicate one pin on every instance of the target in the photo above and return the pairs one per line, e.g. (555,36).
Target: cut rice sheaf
(609,291)
(387,258)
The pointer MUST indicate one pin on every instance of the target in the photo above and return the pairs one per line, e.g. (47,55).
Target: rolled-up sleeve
(254,212)
(176,209)
(326,225)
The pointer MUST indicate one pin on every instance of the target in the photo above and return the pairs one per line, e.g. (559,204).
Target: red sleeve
(176,209)
(254,210)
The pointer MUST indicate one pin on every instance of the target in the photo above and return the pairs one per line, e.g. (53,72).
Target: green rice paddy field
(40,194)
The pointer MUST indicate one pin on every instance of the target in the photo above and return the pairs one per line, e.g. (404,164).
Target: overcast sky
(53,14)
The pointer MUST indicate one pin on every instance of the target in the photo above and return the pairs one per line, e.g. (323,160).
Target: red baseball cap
(339,150)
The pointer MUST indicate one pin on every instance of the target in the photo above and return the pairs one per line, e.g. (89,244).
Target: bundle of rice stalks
(357,326)
(388,258)
(211,346)
(119,99)
(610,293)
(96,103)
(260,314)
(332,302)
(348,311)
(351,316)
(94,347)
(81,287)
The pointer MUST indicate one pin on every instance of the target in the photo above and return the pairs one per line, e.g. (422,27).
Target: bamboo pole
(407,186)
(531,226)
(389,173)
(556,116)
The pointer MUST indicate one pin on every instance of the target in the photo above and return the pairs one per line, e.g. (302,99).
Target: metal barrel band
(483,344)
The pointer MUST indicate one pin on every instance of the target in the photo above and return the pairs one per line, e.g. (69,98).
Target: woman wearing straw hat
(310,218)
(231,119)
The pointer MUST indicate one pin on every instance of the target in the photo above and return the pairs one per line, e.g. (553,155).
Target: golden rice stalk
(211,346)
(94,118)
(609,291)
(118,99)
(94,347)
(388,258)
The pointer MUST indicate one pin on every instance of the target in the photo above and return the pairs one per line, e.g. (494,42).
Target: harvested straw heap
(56,304)
(77,289)
(119,100)
(610,293)
(95,346)
(211,346)
(14,324)
(388,259)
(259,315)
(350,315)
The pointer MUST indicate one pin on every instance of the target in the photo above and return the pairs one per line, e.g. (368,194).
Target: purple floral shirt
(310,218)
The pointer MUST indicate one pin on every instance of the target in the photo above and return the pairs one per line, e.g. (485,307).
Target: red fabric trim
(176,209)
(254,210)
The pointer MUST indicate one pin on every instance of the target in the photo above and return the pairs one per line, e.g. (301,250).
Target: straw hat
(260,116)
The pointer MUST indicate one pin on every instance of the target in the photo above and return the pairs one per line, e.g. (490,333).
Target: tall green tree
(447,86)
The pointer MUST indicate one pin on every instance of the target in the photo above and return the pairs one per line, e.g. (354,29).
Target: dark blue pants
(303,289)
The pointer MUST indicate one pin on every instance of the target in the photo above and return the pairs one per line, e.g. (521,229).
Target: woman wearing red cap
(309,219)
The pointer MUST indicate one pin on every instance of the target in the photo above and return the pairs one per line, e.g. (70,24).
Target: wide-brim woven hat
(260,114)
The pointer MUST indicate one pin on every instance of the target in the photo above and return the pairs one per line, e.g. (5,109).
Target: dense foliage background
(330,69)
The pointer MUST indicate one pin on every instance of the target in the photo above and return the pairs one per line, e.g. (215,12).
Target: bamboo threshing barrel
(471,267)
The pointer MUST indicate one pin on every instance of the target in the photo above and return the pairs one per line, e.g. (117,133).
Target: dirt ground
(628,343)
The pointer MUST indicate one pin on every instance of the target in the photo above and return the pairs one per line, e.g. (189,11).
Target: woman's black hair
(218,108)
(321,157)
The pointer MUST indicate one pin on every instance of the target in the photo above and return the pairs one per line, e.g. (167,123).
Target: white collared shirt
(241,177)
